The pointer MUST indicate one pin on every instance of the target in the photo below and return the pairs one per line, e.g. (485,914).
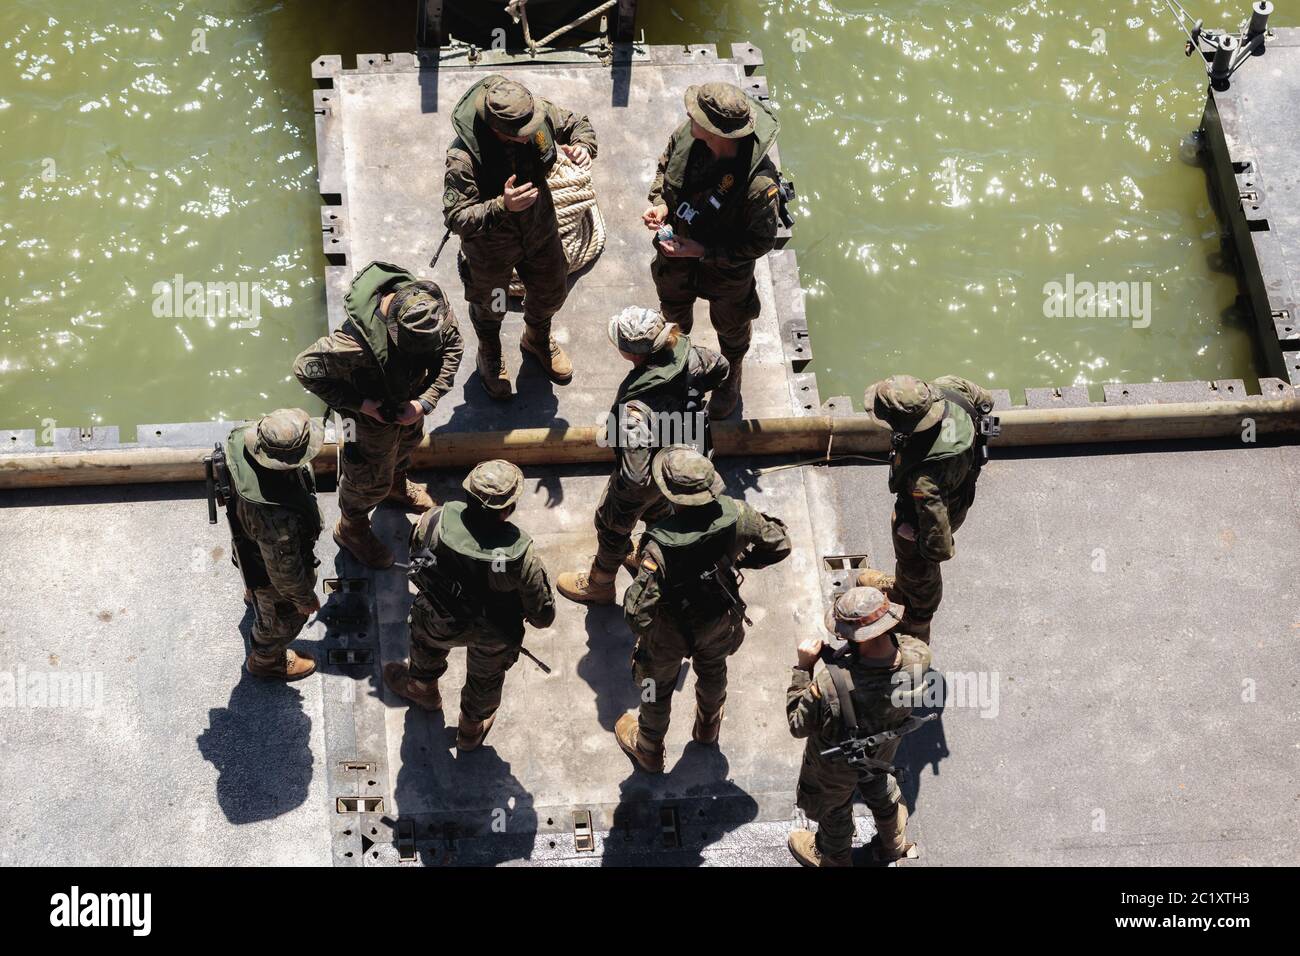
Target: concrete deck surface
(1120,733)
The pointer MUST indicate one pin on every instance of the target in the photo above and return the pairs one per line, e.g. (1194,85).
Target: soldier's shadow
(476,791)
(260,745)
(704,803)
(607,665)
(925,746)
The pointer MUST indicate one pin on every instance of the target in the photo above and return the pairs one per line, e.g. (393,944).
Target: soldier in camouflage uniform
(935,465)
(660,402)
(478,580)
(497,200)
(274,526)
(685,601)
(882,671)
(383,371)
(720,193)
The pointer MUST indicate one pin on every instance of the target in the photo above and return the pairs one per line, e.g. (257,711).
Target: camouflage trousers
(657,663)
(276,622)
(485,269)
(379,453)
(621,506)
(825,794)
(487,658)
(732,296)
(918,580)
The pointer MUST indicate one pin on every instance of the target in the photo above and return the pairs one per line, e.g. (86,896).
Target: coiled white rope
(582,227)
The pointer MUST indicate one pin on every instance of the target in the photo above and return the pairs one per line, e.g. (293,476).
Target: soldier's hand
(411,412)
(371,407)
(655,216)
(578,155)
(519,198)
(809,650)
(311,608)
(677,248)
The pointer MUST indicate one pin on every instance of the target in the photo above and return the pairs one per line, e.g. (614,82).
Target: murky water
(951,164)
(144,141)
(955,158)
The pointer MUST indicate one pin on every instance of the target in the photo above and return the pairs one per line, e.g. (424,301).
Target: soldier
(720,193)
(265,473)
(384,370)
(497,200)
(660,402)
(685,601)
(477,579)
(868,688)
(938,452)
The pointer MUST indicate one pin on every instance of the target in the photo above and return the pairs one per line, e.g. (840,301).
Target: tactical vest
(701,209)
(921,448)
(452,563)
(697,548)
(294,489)
(873,696)
(392,376)
(664,388)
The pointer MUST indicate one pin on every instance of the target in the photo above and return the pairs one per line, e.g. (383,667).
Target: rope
(582,227)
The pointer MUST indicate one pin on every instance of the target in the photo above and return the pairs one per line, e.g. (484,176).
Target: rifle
(220,491)
(445,236)
(853,749)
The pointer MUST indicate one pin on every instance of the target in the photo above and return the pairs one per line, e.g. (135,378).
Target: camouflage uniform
(825,791)
(933,476)
(357,362)
(494,241)
(478,579)
(275,525)
(742,231)
(674,381)
(676,613)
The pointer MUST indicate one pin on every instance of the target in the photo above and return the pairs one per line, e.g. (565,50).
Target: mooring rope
(582,227)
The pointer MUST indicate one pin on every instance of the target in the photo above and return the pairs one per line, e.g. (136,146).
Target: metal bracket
(359,804)
(584,836)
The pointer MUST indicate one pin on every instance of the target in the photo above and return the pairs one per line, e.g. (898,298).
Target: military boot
(803,847)
(422,693)
(593,586)
(492,367)
(891,835)
(409,495)
(651,761)
(470,733)
(632,560)
(356,535)
(723,401)
(882,582)
(707,727)
(287,666)
(543,347)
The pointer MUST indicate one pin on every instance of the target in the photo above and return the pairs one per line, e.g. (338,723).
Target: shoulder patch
(649,564)
(772,191)
(313,368)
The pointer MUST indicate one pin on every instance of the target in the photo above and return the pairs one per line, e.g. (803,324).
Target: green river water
(952,160)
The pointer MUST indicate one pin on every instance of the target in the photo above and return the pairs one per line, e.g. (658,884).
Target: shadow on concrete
(193,491)
(709,806)
(926,746)
(478,784)
(607,665)
(260,743)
